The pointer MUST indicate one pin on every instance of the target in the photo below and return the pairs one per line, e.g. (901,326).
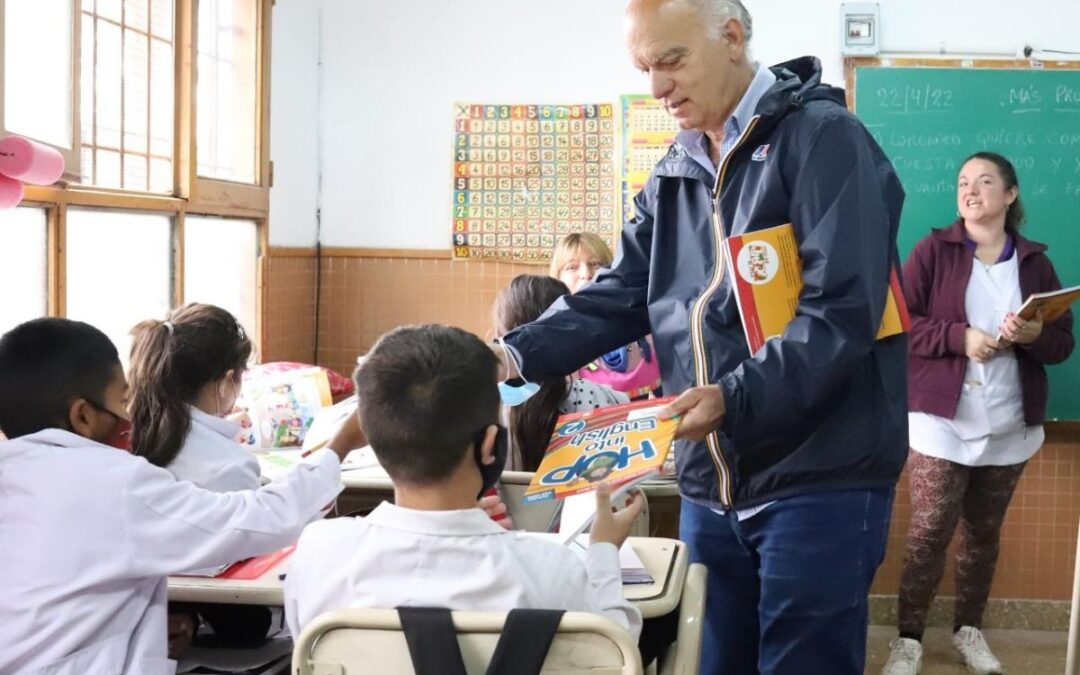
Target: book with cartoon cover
(767,277)
(278,409)
(620,445)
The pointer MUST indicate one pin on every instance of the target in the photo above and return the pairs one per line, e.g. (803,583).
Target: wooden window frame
(191,194)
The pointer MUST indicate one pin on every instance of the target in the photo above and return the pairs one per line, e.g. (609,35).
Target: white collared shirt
(89,533)
(696,143)
(212,459)
(461,560)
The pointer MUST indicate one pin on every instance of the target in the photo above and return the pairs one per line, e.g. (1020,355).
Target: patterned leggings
(942,494)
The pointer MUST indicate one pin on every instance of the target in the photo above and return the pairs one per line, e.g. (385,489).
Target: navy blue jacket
(824,406)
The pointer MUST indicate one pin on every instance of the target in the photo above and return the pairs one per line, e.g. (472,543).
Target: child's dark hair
(171,361)
(48,364)
(426,394)
(1014,215)
(531,423)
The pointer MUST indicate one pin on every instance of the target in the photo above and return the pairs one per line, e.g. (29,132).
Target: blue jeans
(787,588)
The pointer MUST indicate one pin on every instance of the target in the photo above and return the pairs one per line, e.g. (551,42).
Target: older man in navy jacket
(789,455)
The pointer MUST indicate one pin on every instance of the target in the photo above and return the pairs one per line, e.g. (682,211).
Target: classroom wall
(391,71)
(294,78)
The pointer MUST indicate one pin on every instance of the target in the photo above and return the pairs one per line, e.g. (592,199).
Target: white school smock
(212,459)
(89,533)
(988,429)
(462,560)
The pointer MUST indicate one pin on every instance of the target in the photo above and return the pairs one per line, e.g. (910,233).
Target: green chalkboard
(928,119)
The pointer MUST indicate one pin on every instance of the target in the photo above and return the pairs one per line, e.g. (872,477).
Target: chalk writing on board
(906,99)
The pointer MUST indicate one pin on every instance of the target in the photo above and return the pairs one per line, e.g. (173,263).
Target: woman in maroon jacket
(976,402)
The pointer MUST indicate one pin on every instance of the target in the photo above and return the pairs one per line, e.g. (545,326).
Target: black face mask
(490,473)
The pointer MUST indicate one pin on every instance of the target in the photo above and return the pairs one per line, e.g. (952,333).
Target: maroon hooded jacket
(935,281)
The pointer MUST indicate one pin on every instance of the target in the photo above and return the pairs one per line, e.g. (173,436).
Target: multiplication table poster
(526,175)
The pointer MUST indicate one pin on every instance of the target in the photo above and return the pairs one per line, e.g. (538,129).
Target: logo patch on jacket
(760,154)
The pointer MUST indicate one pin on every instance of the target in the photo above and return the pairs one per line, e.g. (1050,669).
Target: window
(128,83)
(228,92)
(24,266)
(37,98)
(119,270)
(220,262)
(117,84)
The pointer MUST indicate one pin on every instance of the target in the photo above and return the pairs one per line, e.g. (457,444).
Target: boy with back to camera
(429,406)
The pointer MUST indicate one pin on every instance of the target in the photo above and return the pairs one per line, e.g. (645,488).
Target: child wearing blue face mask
(534,407)
(429,406)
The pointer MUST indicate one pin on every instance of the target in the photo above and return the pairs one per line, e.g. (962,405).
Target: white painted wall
(294,77)
(391,71)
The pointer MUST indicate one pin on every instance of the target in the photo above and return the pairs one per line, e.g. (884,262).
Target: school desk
(366,488)
(665,559)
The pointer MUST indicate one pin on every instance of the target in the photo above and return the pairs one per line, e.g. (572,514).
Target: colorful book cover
(767,273)
(1052,303)
(617,445)
(280,408)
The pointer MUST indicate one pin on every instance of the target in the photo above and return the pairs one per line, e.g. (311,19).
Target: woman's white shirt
(988,429)
(212,459)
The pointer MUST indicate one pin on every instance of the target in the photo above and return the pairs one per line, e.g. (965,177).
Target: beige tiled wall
(1038,539)
(362,297)
(288,308)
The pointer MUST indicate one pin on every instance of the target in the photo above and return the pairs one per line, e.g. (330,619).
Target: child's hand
(181,631)
(348,437)
(494,507)
(613,527)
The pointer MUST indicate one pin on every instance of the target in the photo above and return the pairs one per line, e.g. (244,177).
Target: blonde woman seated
(633,369)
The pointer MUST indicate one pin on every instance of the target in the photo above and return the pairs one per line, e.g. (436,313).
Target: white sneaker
(971,644)
(905,658)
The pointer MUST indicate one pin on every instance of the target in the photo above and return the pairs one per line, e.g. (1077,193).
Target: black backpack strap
(524,642)
(432,640)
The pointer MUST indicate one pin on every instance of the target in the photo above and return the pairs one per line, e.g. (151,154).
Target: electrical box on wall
(860,28)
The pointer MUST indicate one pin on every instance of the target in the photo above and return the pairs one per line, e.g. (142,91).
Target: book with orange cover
(1052,303)
(619,445)
(767,275)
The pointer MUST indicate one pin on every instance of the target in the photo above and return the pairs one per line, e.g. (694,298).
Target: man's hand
(702,410)
(1021,332)
(610,527)
(348,437)
(980,346)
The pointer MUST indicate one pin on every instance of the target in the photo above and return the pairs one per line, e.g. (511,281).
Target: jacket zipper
(697,318)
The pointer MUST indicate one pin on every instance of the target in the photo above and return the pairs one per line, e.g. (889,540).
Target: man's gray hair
(718,12)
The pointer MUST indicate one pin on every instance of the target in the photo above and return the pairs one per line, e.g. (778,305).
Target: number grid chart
(526,175)
(647,133)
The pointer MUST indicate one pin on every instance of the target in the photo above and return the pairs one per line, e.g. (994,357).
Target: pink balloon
(29,161)
(11,193)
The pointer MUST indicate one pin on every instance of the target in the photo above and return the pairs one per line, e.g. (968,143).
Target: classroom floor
(1022,652)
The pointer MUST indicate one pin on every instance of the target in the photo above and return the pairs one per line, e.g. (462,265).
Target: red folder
(253,568)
